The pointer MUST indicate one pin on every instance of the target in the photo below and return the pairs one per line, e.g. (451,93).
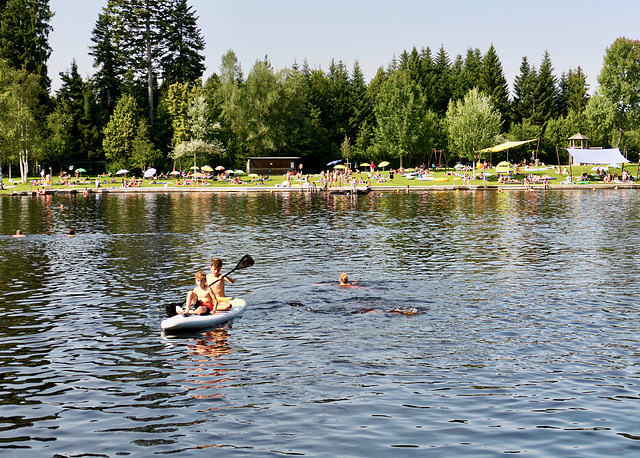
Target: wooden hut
(271,165)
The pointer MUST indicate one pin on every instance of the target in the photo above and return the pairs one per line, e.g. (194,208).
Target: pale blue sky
(576,33)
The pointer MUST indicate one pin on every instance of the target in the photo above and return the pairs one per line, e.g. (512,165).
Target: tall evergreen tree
(470,75)
(107,55)
(494,84)
(182,60)
(573,92)
(149,38)
(24,36)
(428,78)
(546,92)
(339,108)
(443,82)
(524,92)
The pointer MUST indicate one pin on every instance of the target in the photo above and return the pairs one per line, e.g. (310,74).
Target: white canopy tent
(597,156)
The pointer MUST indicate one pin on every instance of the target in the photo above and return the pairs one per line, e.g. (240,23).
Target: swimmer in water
(18,234)
(344,280)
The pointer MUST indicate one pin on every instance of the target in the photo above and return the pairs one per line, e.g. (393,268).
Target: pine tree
(546,92)
(107,55)
(524,92)
(573,92)
(428,78)
(494,84)
(148,38)
(470,75)
(182,60)
(24,36)
(443,82)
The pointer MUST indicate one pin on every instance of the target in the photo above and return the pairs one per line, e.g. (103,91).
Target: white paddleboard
(195,322)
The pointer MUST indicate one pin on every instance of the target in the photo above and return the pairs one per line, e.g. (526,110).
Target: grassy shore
(442,178)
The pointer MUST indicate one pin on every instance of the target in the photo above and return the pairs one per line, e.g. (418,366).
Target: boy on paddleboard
(202,298)
(218,286)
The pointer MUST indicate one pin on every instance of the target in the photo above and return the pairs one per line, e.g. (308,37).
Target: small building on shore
(578,141)
(271,165)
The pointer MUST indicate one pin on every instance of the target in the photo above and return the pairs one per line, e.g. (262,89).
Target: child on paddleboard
(218,286)
(202,298)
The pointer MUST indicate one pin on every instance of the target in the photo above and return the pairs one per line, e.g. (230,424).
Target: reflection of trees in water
(208,371)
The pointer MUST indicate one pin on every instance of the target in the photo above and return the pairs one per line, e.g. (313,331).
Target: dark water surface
(526,341)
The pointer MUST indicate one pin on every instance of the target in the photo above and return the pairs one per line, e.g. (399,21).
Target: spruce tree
(524,92)
(546,92)
(24,36)
(494,84)
(443,82)
(182,60)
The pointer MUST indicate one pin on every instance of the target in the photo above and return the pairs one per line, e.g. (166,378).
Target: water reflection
(526,334)
(210,373)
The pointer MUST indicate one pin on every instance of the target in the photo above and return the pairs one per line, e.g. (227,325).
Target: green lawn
(441,177)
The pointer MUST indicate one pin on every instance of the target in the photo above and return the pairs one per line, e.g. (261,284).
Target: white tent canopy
(597,156)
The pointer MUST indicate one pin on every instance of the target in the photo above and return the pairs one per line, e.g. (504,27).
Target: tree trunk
(24,165)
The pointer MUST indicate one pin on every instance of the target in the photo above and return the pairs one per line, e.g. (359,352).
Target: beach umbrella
(253,175)
(149,173)
(207,168)
(81,170)
(122,172)
(239,172)
(219,168)
(383,164)
(195,167)
(339,166)
(364,164)
(337,161)
(175,172)
(198,174)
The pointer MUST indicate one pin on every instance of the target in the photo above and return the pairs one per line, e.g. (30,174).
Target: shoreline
(344,191)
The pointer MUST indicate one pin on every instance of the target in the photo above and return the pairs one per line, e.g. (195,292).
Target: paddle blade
(245,261)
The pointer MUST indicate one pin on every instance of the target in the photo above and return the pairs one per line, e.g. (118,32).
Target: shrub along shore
(445,179)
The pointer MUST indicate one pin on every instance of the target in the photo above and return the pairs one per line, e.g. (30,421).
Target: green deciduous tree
(121,132)
(619,82)
(20,129)
(473,124)
(405,128)
(199,130)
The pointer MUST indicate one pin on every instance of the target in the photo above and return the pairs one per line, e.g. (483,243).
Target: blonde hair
(344,278)
(200,275)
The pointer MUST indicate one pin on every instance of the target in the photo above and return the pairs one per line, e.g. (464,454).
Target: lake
(526,340)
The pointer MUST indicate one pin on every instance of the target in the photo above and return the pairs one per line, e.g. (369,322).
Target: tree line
(149,104)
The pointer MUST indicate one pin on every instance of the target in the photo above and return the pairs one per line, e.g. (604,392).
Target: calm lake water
(526,341)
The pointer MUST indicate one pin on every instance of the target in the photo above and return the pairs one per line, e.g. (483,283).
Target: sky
(574,32)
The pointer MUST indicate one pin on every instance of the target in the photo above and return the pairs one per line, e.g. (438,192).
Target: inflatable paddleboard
(180,323)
